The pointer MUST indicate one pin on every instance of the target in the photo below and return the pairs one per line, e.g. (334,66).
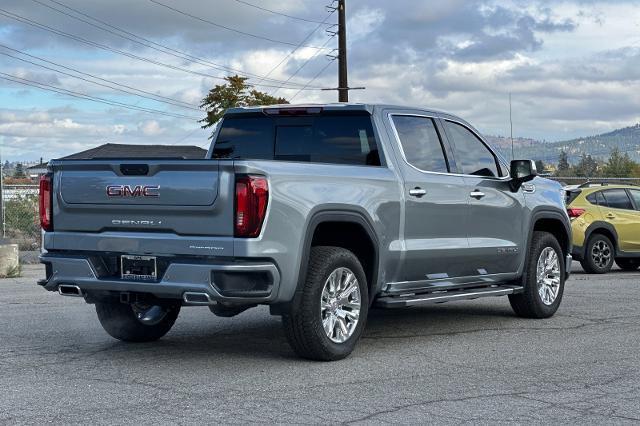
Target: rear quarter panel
(298,191)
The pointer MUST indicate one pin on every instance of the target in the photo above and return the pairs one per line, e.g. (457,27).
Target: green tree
(234,93)
(619,165)
(564,168)
(19,172)
(587,167)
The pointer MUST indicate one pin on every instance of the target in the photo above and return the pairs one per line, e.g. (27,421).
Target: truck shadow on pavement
(261,336)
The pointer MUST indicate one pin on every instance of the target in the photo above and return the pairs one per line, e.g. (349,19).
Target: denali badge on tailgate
(133,191)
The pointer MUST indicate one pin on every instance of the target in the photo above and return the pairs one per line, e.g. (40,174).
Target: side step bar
(444,296)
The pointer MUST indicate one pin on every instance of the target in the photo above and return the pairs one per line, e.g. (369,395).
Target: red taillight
(252,195)
(45,202)
(573,212)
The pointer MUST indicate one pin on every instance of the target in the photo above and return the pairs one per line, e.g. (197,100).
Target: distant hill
(599,146)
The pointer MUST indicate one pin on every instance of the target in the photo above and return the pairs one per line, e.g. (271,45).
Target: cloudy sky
(573,67)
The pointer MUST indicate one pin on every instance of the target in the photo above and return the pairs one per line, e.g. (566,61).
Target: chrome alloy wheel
(601,254)
(548,276)
(340,305)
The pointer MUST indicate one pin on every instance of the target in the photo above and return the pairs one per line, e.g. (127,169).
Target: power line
(50,88)
(79,39)
(215,24)
(298,47)
(315,55)
(173,103)
(150,43)
(313,79)
(278,13)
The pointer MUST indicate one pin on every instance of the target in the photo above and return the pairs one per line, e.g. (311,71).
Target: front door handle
(477,194)
(417,192)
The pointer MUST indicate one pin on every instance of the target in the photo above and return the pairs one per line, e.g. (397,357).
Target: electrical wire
(235,30)
(311,58)
(66,92)
(176,103)
(151,44)
(278,13)
(79,39)
(313,79)
(299,46)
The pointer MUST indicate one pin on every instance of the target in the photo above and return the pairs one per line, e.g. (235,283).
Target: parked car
(317,211)
(605,220)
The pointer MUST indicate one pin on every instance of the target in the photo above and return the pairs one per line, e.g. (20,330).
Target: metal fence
(20,222)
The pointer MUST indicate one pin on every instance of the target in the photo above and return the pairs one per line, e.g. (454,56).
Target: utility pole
(511,125)
(343,83)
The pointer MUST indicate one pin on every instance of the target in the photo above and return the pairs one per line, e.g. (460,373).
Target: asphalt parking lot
(451,363)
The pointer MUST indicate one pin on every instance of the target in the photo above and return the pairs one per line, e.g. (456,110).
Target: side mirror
(522,171)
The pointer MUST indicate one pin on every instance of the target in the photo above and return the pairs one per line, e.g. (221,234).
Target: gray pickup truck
(319,211)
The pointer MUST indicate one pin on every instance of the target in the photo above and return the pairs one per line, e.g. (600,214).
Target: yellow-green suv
(605,220)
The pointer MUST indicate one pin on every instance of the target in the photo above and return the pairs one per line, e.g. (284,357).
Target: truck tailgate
(185,197)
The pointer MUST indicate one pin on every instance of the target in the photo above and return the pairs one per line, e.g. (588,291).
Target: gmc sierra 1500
(319,211)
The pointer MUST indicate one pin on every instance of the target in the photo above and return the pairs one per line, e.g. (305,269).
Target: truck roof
(347,106)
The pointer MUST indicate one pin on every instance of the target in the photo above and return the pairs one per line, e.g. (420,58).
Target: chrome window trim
(435,117)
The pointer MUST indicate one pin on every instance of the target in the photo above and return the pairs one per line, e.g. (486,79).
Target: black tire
(303,323)
(529,303)
(120,321)
(628,263)
(596,263)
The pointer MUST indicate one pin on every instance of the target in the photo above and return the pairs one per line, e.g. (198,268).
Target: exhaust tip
(197,298)
(70,290)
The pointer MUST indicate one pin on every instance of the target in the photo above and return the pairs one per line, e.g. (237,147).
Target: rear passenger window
(617,199)
(472,155)
(600,199)
(635,194)
(421,143)
(592,198)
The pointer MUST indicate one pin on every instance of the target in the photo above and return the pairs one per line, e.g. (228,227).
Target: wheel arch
(334,221)
(555,223)
(605,228)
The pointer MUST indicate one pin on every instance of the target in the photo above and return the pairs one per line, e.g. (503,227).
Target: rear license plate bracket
(138,268)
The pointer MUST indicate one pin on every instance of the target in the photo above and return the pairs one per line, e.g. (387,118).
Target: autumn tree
(236,92)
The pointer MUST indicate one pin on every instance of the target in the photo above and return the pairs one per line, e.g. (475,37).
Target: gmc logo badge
(133,191)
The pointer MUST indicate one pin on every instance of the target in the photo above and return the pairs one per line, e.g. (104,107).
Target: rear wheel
(328,320)
(543,280)
(598,257)
(628,263)
(136,322)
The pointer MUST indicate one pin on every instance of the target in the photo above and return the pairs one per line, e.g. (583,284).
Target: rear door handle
(477,194)
(417,192)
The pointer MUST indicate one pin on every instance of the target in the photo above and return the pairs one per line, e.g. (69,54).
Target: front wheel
(136,322)
(331,312)
(628,264)
(543,280)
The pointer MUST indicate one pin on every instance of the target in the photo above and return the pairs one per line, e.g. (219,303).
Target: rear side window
(617,199)
(635,194)
(337,139)
(472,155)
(421,143)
